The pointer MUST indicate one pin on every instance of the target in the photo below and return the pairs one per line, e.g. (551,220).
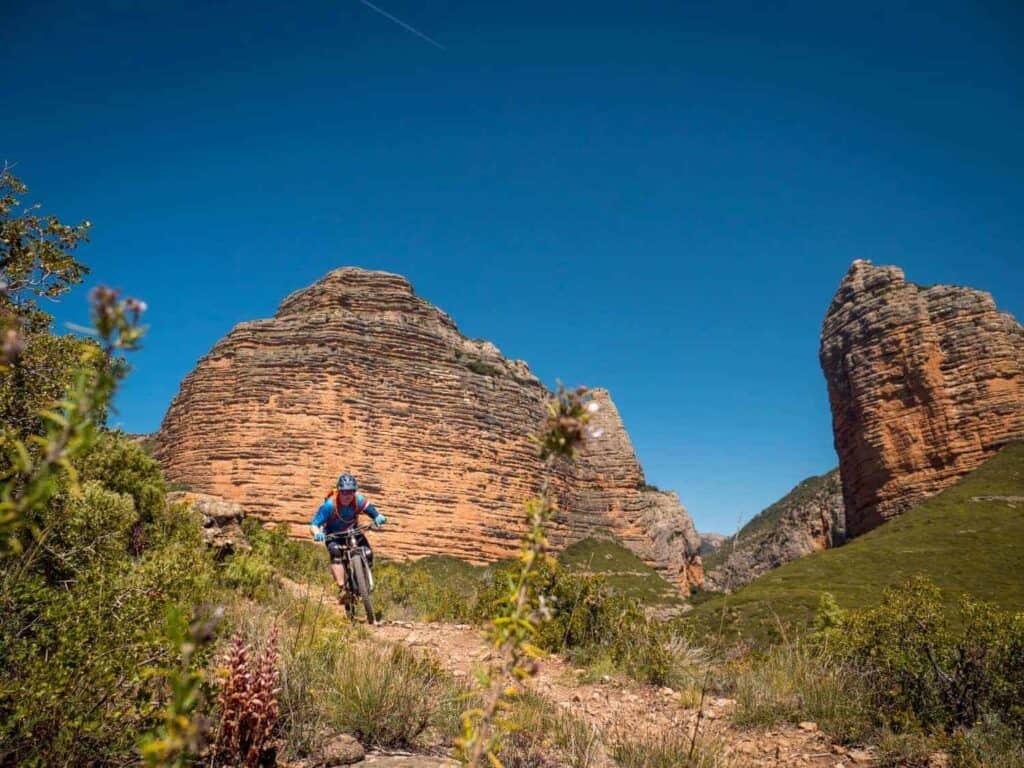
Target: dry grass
(668,749)
(795,683)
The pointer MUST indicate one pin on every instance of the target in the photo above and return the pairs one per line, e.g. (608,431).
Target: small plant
(183,732)
(248,705)
(797,682)
(514,628)
(372,694)
(482,368)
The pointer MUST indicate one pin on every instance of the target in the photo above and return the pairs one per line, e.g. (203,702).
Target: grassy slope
(767,518)
(965,545)
(623,570)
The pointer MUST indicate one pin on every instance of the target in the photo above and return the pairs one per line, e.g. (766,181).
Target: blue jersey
(346,517)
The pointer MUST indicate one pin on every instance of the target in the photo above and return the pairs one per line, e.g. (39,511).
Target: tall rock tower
(925,384)
(358,373)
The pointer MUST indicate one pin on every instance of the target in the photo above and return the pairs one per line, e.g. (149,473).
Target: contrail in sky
(402,24)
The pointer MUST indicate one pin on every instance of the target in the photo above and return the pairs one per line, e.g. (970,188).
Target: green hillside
(769,517)
(623,570)
(969,540)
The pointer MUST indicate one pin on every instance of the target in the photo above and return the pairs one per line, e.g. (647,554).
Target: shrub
(482,368)
(73,687)
(299,560)
(990,744)
(929,669)
(590,622)
(86,531)
(411,592)
(123,466)
(249,573)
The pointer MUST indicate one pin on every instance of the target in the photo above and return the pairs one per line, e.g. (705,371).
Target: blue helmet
(347,483)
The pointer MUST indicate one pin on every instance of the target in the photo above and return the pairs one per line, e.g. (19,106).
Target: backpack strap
(359,504)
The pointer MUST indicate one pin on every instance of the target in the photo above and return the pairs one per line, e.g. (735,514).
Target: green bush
(86,532)
(123,466)
(414,593)
(932,670)
(249,574)
(74,688)
(298,560)
(591,622)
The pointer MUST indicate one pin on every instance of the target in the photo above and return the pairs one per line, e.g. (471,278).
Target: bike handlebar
(355,529)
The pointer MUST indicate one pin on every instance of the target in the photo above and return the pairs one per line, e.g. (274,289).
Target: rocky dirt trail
(621,705)
(611,704)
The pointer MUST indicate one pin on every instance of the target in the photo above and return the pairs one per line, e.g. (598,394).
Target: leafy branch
(35,464)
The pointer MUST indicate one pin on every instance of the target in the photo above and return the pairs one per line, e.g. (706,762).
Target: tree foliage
(35,251)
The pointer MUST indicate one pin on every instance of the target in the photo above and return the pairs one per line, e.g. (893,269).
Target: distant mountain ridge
(807,519)
(968,539)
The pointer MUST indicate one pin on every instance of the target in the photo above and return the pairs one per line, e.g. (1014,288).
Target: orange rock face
(925,384)
(358,373)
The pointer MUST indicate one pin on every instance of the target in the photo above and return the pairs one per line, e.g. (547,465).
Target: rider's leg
(337,564)
(338,572)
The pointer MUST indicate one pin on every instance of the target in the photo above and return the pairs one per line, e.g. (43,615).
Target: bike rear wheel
(361,572)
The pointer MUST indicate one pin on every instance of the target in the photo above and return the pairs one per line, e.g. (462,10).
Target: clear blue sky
(655,197)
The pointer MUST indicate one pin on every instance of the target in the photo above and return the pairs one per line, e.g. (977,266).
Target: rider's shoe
(344,597)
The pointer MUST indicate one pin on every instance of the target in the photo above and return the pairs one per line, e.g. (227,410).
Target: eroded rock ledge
(925,384)
(358,373)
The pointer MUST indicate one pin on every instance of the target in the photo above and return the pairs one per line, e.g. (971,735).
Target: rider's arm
(377,517)
(321,515)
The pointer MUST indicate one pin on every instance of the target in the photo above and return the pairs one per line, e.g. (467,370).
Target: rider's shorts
(335,549)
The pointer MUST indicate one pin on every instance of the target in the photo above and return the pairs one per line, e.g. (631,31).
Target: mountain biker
(339,512)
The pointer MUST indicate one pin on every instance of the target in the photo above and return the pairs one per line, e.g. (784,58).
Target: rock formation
(358,373)
(925,384)
(221,521)
(710,542)
(807,519)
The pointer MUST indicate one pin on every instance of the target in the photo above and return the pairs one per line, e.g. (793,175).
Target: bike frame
(353,558)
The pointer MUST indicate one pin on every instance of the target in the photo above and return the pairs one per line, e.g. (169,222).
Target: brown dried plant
(248,705)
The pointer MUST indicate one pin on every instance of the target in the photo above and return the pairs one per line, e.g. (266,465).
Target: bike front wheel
(361,570)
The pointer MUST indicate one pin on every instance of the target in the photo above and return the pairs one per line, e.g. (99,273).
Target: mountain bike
(358,576)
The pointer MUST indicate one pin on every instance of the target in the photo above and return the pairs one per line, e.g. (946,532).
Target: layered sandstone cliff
(925,384)
(358,373)
(807,519)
